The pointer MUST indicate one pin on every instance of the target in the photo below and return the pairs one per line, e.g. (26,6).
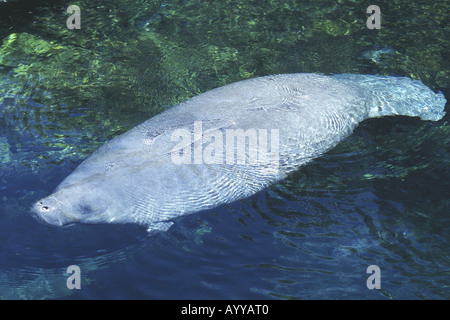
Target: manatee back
(311,112)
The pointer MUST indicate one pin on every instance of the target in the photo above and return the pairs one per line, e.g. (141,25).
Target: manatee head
(70,205)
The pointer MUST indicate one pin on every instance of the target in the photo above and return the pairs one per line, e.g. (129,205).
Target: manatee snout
(49,211)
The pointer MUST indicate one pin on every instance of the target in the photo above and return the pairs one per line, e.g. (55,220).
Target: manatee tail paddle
(398,96)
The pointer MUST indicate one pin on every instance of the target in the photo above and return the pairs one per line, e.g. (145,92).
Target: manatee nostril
(45,208)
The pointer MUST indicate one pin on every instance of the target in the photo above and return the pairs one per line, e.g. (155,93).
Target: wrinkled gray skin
(133,178)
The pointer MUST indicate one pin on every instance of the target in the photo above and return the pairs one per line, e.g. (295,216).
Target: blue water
(312,236)
(381,197)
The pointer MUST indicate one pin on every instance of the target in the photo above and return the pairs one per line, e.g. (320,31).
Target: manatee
(226,144)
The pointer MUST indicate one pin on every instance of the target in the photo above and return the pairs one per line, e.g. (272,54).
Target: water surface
(381,197)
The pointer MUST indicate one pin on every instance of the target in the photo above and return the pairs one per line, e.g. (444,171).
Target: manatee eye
(85,209)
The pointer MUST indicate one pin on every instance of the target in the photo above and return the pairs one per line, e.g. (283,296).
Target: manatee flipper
(159,227)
